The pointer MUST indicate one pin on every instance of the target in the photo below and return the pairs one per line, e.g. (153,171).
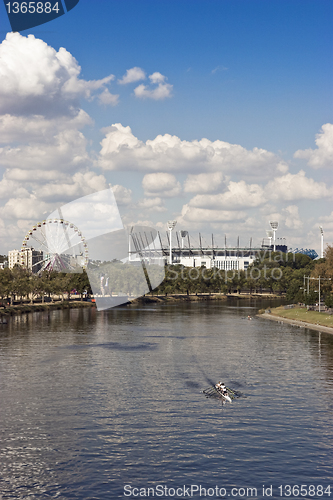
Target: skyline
(217,115)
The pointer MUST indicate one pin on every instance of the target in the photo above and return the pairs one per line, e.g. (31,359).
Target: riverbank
(183,297)
(299,316)
(146,299)
(49,306)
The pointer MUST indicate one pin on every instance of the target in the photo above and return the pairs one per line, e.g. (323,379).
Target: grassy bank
(301,314)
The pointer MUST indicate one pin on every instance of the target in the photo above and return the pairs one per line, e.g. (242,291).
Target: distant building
(14,257)
(310,252)
(28,257)
(224,260)
(188,255)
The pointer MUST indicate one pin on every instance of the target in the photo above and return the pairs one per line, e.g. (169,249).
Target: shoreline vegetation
(300,316)
(196,297)
(12,310)
(27,307)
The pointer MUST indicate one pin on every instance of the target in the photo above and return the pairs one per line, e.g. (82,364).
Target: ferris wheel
(58,246)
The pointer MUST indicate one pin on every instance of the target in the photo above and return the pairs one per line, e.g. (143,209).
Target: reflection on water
(93,401)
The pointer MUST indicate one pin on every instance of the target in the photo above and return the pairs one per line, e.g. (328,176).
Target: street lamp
(171,226)
(322,242)
(318,279)
(274,225)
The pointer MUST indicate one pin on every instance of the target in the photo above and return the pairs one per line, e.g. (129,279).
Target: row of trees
(18,283)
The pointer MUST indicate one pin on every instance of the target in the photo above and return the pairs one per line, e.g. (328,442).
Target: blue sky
(256,75)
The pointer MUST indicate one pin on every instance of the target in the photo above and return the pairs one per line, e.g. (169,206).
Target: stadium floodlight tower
(183,235)
(171,226)
(322,242)
(274,225)
(269,234)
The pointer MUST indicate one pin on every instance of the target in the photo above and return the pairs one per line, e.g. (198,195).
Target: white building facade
(28,257)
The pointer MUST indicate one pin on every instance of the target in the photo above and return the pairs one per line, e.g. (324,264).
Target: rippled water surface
(91,402)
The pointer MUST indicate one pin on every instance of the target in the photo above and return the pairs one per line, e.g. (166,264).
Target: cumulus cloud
(28,208)
(107,98)
(160,92)
(203,183)
(132,75)
(33,176)
(122,194)
(157,77)
(81,184)
(194,214)
(323,155)
(238,195)
(161,184)
(38,128)
(66,150)
(36,79)
(292,218)
(50,187)
(152,204)
(8,186)
(297,187)
(122,150)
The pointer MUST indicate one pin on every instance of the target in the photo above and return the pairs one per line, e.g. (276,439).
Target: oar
(236,394)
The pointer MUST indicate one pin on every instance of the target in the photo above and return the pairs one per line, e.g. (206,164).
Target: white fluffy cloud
(323,155)
(238,195)
(38,128)
(132,75)
(28,208)
(152,204)
(122,194)
(297,187)
(161,184)
(36,79)
(64,151)
(203,183)
(107,98)
(81,184)
(56,187)
(34,176)
(292,218)
(194,214)
(10,186)
(122,150)
(161,91)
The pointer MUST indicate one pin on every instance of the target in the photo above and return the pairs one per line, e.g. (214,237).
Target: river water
(94,405)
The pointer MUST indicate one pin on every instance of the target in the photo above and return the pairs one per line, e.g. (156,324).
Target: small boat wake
(221,392)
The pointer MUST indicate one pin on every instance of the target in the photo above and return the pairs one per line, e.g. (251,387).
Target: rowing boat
(216,391)
(223,394)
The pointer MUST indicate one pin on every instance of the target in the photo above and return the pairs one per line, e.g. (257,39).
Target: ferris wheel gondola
(59,246)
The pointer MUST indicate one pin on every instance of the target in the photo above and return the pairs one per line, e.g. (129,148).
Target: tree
(6,279)
(20,282)
(329,300)
(310,298)
(80,282)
